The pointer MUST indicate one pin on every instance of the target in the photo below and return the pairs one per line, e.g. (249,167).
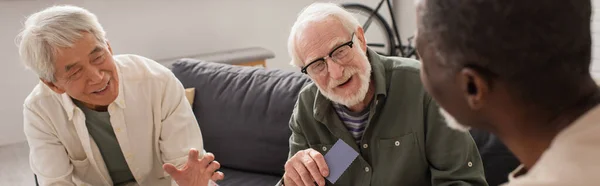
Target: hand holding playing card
(339,159)
(306,167)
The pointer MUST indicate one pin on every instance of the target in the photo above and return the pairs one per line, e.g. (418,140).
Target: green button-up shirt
(406,141)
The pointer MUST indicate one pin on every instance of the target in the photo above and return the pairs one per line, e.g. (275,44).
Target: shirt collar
(378,72)
(582,123)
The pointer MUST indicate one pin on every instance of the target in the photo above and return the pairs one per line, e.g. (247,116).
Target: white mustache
(348,72)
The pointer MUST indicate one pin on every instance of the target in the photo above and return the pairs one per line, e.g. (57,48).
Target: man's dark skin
(518,69)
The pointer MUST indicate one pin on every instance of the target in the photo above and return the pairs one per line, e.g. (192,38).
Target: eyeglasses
(340,55)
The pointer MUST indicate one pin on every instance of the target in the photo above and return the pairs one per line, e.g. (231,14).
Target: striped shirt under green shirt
(355,122)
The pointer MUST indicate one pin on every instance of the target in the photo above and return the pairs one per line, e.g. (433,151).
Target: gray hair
(313,13)
(52,28)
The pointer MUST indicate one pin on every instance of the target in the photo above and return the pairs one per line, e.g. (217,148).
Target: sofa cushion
(243,112)
(189,95)
(244,178)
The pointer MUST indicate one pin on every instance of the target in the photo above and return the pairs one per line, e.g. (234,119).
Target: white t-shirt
(573,158)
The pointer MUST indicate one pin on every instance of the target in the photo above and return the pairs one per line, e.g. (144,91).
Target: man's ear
(475,88)
(53,86)
(109,48)
(360,34)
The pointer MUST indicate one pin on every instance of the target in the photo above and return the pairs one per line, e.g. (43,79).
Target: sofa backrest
(498,160)
(243,112)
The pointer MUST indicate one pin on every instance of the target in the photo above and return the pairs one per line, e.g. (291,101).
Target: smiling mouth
(345,83)
(102,89)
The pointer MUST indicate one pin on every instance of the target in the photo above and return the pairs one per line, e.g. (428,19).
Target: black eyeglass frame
(349,43)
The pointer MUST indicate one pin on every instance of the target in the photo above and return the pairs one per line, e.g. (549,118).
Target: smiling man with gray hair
(374,104)
(102,119)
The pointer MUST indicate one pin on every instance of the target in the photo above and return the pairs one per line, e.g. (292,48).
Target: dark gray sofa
(243,113)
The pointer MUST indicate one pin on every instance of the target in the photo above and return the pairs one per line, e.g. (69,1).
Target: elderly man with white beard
(374,104)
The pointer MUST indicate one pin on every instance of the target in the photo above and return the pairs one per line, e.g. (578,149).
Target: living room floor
(14,165)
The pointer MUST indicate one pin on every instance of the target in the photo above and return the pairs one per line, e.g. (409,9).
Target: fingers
(310,164)
(303,172)
(218,176)
(193,155)
(207,159)
(170,169)
(213,166)
(320,160)
(306,167)
(291,177)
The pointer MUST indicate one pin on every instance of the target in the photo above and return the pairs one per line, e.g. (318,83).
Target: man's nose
(335,70)
(95,75)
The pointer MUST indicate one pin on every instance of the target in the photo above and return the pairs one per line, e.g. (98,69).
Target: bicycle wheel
(377,32)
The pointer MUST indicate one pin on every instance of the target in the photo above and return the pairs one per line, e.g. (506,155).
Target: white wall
(157,29)
(596,37)
(406,18)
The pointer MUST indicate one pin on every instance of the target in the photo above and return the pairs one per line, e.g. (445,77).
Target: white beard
(364,79)
(452,123)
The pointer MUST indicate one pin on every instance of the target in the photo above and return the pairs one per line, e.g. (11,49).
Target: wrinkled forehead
(316,39)
(81,49)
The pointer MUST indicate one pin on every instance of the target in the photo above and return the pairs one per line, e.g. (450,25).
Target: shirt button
(470,164)
(324,148)
(365,145)
(366,169)
(118,129)
(397,143)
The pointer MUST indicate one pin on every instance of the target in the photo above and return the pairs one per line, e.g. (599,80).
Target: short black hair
(534,46)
